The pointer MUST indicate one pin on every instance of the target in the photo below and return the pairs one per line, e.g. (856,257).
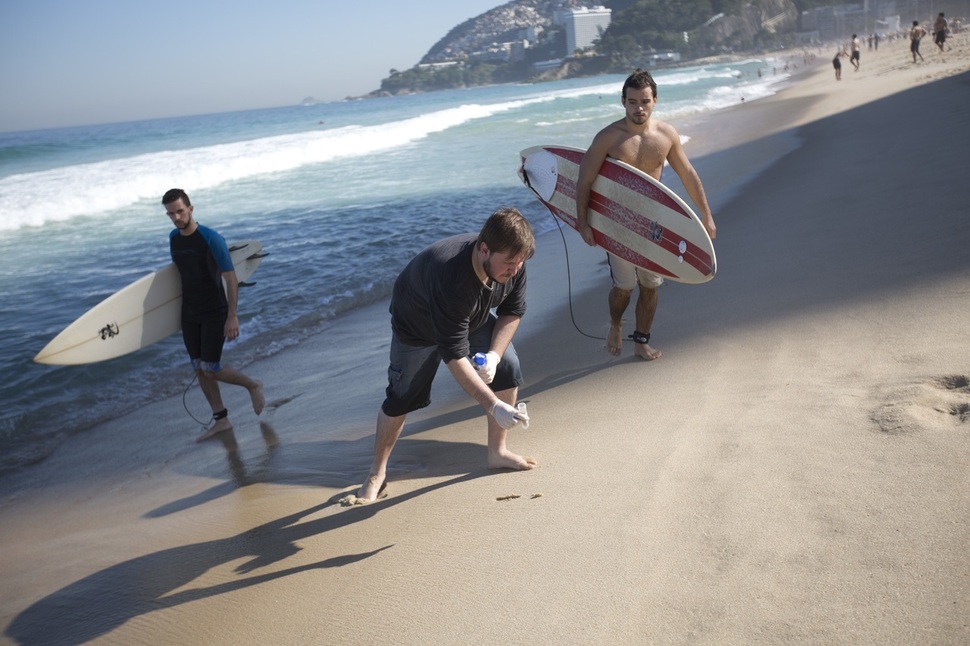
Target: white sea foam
(102,188)
(95,189)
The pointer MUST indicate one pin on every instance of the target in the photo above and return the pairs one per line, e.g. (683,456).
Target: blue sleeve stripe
(220,251)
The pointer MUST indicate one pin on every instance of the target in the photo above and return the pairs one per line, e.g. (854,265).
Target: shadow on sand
(99,603)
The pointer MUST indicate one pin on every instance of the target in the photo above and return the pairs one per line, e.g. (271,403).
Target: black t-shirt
(438,298)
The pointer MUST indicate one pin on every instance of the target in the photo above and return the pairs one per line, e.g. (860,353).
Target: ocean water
(340,194)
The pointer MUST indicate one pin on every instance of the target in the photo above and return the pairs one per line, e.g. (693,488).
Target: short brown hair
(507,231)
(175,194)
(639,80)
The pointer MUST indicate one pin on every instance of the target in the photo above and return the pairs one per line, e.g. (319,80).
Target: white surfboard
(143,313)
(631,214)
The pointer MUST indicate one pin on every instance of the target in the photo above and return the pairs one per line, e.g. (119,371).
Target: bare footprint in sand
(941,403)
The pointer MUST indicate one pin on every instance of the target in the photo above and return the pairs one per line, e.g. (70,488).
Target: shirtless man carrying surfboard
(645,143)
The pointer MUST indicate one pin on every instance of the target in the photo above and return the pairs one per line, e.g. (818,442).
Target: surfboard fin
(245,284)
(256,256)
(524,176)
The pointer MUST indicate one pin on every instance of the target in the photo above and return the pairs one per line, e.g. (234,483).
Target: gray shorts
(412,370)
(626,275)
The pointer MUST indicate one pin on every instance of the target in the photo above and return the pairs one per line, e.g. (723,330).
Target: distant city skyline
(65,63)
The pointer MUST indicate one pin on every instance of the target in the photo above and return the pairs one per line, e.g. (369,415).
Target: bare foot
(509,460)
(218,426)
(259,400)
(645,352)
(374,489)
(614,340)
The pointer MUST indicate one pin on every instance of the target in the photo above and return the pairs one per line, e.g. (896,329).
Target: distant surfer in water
(208,311)
(645,143)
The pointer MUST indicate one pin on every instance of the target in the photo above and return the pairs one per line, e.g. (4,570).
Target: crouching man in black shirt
(441,311)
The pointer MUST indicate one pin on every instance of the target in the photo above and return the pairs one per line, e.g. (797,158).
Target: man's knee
(206,369)
(509,395)
(649,280)
(508,373)
(647,292)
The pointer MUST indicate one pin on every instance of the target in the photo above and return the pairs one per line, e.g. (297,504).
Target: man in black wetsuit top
(208,310)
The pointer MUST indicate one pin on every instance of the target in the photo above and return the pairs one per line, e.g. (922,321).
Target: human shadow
(329,462)
(101,602)
(241,475)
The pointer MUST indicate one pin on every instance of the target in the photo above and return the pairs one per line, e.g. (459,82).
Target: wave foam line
(93,189)
(99,188)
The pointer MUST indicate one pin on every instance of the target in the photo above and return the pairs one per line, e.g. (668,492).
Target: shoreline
(787,472)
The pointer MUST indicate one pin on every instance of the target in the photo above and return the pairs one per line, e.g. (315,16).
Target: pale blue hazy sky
(75,62)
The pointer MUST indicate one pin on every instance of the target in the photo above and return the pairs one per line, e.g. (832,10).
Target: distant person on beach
(915,34)
(646,143)
(837,64)
(940,30)
(856,52)
(441,311)
(208,310)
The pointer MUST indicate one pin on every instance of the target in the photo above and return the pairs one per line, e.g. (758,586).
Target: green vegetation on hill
(638,29)
(658,24)
(439,77)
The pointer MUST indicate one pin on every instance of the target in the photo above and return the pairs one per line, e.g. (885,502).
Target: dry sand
(795,469)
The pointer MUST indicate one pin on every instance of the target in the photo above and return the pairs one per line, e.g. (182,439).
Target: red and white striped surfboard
(632,215)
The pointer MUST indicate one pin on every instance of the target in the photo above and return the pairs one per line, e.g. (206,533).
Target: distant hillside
(497,25)
(519,41)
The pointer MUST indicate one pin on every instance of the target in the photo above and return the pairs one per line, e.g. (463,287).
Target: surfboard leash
(569,282)
(185,404)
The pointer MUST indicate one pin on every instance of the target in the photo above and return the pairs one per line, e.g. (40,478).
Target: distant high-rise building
(585,25)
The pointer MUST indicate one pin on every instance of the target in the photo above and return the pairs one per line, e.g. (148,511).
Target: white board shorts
(626,275)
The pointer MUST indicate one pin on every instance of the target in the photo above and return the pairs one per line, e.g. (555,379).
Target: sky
(80,62)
